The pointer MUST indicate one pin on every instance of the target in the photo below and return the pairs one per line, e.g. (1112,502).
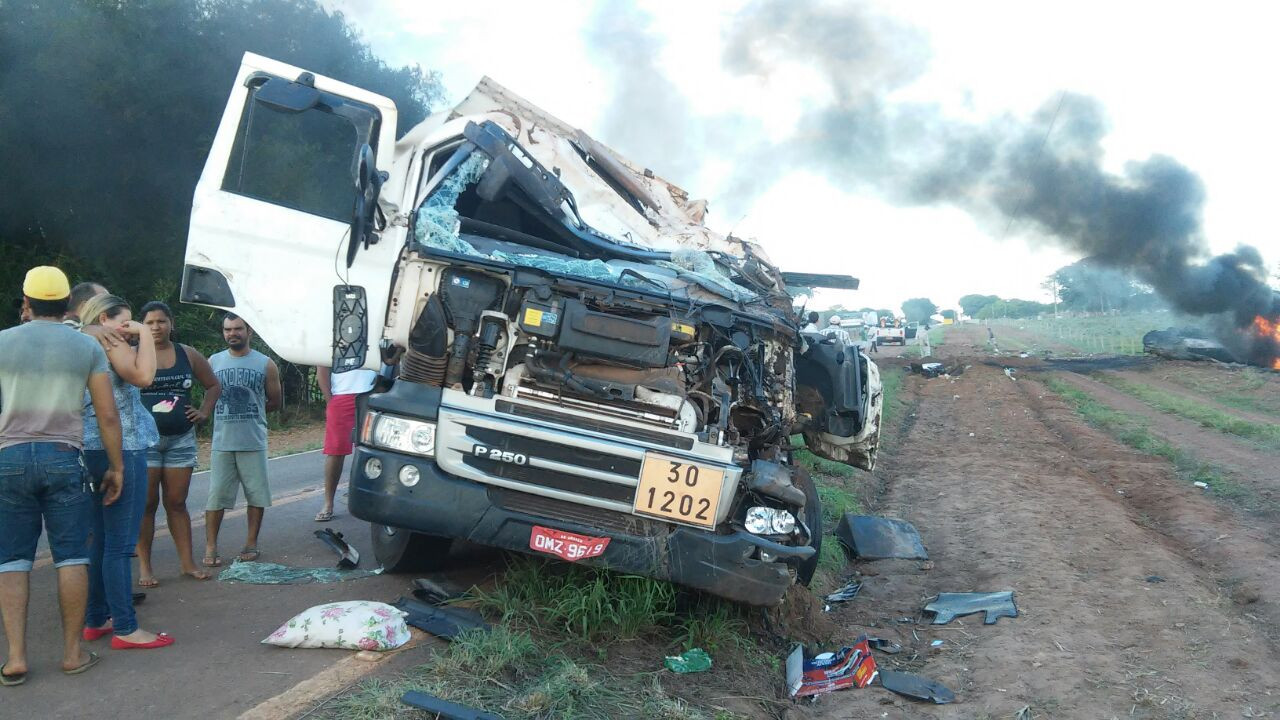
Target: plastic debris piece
(261,573)
(950,606)
(916,687)
(693,660)
(868,537)
(936,643)
(1200,484)
(885,646)
(851,666)
(848,592)
(430,591)
(1154,579)
(443,708)
(443,622)
(348,557)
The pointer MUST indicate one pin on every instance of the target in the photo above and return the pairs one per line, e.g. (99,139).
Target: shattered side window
(436,225)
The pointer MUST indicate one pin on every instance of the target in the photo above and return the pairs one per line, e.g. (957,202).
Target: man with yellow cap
(45,368)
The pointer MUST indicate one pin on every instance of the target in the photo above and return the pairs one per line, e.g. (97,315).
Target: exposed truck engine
(584,368)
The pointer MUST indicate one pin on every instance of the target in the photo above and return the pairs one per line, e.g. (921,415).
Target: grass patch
(581,602)
(1132,431)
(1244,389)
(1191,409)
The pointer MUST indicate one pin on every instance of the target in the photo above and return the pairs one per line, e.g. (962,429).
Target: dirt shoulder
(1011,491)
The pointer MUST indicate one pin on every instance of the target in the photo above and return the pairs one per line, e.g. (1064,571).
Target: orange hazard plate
(674,489)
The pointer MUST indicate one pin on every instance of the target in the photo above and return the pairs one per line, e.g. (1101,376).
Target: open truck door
(285,226)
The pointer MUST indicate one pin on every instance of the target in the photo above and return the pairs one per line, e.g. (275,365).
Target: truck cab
(585,369)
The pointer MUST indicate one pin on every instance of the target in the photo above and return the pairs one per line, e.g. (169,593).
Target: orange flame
(1269,329)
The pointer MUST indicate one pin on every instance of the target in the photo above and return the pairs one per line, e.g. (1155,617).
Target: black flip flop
(11,680)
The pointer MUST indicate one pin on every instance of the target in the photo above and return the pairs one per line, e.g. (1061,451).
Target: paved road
(217,668)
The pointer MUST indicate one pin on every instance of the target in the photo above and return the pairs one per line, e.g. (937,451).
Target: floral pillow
(351,625)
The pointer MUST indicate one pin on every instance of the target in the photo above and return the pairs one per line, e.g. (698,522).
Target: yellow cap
(46,283)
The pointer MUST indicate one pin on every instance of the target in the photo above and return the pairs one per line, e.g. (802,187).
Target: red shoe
(162,640)
(91,634)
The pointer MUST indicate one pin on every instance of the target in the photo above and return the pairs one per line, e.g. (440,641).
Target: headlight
(759,520)
(401,434)
(409,476)
(769,521)
(373,468)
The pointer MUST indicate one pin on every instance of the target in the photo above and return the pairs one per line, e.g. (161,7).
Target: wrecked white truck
(585,370)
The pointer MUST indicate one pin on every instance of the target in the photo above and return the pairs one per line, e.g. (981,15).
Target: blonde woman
(115,526)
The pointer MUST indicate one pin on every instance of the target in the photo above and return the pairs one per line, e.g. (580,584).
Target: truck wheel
(402,551)
(812,518)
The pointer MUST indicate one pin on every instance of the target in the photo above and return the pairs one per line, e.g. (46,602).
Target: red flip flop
(162,640)
(91,634)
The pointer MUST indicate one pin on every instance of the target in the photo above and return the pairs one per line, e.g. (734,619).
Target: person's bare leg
(14,588)
(332,476)
(212,523)
(176,484)
(73,596)
(254,515)
(147,533)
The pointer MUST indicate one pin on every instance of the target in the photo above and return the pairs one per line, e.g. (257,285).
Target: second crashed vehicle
(585,369)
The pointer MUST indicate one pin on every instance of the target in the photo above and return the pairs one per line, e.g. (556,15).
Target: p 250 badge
(499,455)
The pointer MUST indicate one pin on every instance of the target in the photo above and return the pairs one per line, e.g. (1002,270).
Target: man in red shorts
(340,391)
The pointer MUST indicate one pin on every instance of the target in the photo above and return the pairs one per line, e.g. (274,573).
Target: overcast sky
(1196,82)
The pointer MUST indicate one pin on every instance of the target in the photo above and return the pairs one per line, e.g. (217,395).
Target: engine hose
(424,369)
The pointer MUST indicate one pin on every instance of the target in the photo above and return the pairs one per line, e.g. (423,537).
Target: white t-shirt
(838,332)
(352,382)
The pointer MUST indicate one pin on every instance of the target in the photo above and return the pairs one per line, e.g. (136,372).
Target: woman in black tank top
(170,463)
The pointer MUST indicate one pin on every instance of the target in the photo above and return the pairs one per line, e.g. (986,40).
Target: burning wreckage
(585,369)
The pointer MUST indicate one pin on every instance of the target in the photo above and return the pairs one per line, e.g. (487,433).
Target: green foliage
(109,111)
(1013,309)
(918,309)
(971,305)
(1089,286)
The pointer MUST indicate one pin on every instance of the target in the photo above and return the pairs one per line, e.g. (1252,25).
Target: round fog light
(759,520)
(409,476)
(783,522)
(373,468)
(766,556)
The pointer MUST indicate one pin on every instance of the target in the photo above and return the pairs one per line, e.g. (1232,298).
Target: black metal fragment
(950,606)
(443,708)
(916,687)
(868,537)
(348,557)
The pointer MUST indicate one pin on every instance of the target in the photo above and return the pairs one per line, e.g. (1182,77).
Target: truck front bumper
(441,504)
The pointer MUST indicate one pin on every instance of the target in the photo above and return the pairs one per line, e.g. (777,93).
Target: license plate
(674,489)
(566,545)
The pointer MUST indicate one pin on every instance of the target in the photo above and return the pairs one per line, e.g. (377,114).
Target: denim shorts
(43,481)
(175,451)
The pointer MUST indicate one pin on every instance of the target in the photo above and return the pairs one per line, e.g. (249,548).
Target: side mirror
(368,186)
(291,97)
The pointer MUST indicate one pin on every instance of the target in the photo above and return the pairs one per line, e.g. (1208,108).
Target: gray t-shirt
(44,370)
(240,417)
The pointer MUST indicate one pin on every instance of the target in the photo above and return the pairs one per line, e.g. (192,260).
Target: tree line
(1083,286)
(109,108)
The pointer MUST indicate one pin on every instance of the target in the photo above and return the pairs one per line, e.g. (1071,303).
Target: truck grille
(599,474)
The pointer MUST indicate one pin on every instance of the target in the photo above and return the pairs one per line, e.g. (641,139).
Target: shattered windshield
(441,222)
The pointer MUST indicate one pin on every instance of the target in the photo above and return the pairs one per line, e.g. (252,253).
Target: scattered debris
(443,708)
(916,687)
(348,557)
(446,623)
(430,591)
(846,593)
(1023,714)
(1200,484)
(1008,372)
(936,643)
(693,660)
(830,671)
(139,597)
(869,537)
(950,606)
(885,646)
(262,573)
(1154,579)
(930,370)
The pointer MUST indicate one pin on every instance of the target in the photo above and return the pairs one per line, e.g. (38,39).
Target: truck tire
(812,518)
(403,551)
